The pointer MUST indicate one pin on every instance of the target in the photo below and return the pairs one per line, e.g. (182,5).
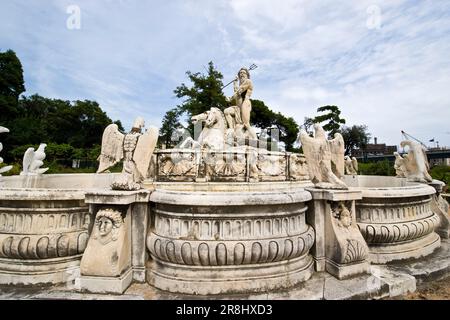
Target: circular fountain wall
(211,241)
(44,226)
(395,217)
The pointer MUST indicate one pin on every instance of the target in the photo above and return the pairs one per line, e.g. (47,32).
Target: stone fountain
(219,215)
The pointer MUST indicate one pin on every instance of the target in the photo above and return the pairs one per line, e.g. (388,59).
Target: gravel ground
(434,290)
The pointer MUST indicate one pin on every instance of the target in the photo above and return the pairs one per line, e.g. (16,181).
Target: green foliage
(378,168)
(355,137)
(93,153)
(55,167)
(441,172)
(78,124)
(55,151)
(206,92)
(14,171)
(11,84)
(334,121)
(263,118)
(170,123)
(71,130)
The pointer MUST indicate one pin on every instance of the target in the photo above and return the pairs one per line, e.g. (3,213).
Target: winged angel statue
(134,148)
(325,158)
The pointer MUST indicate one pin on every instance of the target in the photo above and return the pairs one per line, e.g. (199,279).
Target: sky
(385,63)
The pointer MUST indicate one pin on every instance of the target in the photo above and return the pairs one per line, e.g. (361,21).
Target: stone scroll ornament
(33,160)
(134,148)
(350,247)
(325,158)
(414,166)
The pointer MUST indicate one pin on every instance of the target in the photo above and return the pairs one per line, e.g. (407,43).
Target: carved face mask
(105,226)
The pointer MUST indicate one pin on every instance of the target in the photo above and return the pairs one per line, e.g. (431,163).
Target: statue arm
(247,84)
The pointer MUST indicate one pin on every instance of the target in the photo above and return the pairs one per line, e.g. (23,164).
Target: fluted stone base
(396,218)
(45,271)
(381,254)
(229,279)
(205,242)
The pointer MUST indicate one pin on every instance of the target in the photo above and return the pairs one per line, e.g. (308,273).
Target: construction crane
(407,136)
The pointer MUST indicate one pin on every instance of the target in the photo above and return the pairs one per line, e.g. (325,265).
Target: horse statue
(213,133)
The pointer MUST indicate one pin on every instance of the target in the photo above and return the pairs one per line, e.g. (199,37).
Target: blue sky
(385,63)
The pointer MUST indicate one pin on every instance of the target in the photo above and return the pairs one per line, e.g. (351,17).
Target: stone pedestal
(229,242)
(398,222)
(115,254)
(43,234)
(339,248)
(440,207)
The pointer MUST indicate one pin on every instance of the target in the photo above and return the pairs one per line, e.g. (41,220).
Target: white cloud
(130,55)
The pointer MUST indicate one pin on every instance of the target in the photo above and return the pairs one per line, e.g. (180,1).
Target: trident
(252,67)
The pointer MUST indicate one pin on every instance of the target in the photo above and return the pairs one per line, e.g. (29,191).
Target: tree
(308,123)
(264,118)
(170,124)
(333,118)
(355,137)
(39,119)
(88,123)
(378,168)
(206,92)
(70,129)
(11,84)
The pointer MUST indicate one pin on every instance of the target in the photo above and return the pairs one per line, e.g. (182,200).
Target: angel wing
(112,147)
(28,158)
(144,149)
(355,164)
(426,175)
(5,169)
(337,148)
(313,155)
(3,129)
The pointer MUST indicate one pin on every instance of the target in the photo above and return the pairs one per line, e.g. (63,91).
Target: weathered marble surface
(351,165)
(395,219)
(237,164)
(238,115)
(116,254)
(441,208)
(223,242)
(134,148)
(414,166)
(339,247)
(325,158)
(43,234)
